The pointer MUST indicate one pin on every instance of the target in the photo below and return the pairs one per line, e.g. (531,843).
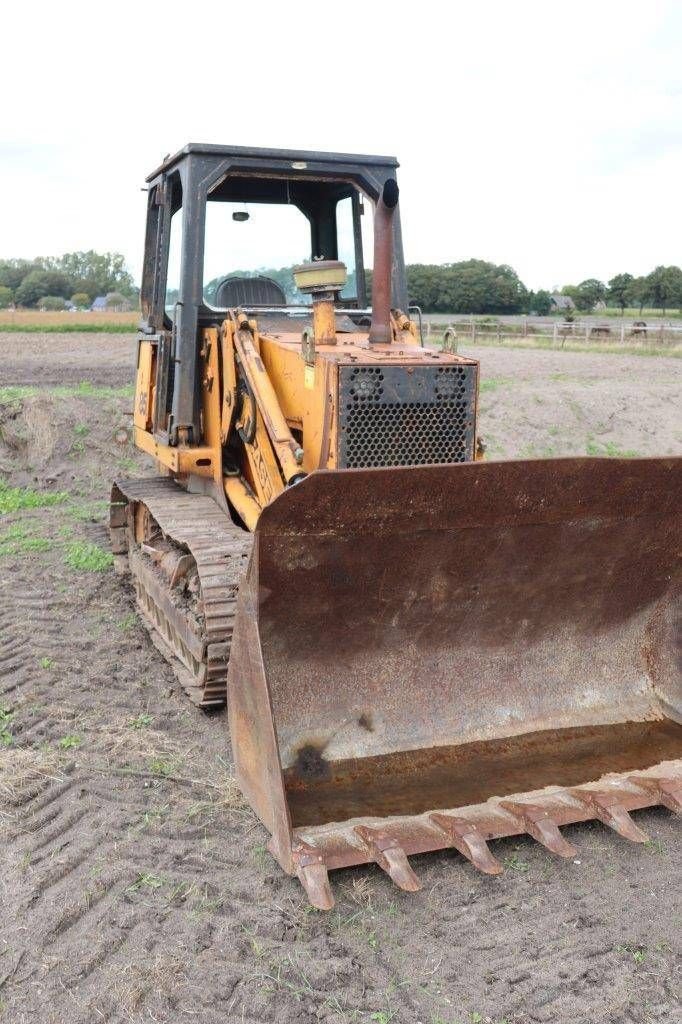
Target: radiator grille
(405,416)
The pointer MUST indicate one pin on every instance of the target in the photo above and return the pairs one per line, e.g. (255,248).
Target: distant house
(562,302)
(100,304)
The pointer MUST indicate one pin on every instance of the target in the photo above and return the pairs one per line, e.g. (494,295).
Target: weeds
(83,556)
(90,511)
(638,953)
(514,862)
(157,766)
(69,742)
(146,881)
(46,662)
(6,717)
(141,721)
(14,498)
(492,384)
(128,622)
(610,450)
(17,540)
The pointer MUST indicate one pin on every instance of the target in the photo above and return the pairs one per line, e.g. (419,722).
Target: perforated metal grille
(405,415)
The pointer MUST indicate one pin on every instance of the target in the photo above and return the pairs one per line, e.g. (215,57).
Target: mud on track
(135,885)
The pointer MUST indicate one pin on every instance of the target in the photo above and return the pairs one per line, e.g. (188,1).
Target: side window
(174,263)
(346,242)
(345,237)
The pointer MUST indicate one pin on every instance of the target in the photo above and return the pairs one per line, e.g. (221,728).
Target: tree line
(76,277)
(475,286)
(469,286)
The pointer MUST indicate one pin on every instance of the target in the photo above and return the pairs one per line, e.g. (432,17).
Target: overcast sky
(543,135)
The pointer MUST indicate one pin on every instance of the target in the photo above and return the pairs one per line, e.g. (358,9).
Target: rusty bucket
(434,657)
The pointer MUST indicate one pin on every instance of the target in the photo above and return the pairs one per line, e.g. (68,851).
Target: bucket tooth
(467,840)
(390,856)
(538,823)
(609,808)
(313,876)
(668,790)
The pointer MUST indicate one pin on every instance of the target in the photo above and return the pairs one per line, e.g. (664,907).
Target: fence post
(554,333)
(622,332)
(473,331)
(587,333)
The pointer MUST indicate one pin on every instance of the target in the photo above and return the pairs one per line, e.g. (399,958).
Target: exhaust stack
(380,331)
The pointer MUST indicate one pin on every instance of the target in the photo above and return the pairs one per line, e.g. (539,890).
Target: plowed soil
(135,885)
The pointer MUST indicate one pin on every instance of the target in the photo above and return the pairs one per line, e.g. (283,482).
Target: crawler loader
(419,649)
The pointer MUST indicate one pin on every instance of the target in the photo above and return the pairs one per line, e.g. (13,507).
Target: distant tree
(13,272)
(665,287)
(81,300)
(619,290)
(471,286)
(116,301)
(51,303)
(638,293)
(587,294)
(5,296)
(94,272)
(39,283)
(542,302)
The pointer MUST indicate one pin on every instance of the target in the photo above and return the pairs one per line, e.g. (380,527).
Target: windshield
(259,244)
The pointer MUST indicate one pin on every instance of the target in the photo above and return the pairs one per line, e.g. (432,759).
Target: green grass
(609,450)
(84,389)
(547,343)
(141,721)
(159,766)
(6,737)
(84,556)
(124,328)
(89,511)
(69,742)
(14,498)
(492,384)
(147,880)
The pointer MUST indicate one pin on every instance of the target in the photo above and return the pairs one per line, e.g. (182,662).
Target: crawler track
(190,618)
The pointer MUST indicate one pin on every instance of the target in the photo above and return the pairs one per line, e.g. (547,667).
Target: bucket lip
(475,495)
(340,844)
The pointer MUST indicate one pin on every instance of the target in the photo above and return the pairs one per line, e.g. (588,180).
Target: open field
(135,884)
(33,321)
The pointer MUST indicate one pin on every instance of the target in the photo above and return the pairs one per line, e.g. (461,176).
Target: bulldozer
(420,649)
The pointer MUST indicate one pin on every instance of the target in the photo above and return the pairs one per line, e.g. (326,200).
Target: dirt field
(134,884)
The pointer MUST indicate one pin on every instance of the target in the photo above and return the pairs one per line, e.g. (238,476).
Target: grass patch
(507,341)
(159,766)
(69,742)
(146,881)
(84,556)
(492,384)
(17,539)
(14,498)
(610,450)
(33,328)
(6,717)
(84,389)
(89,511)
(141,721)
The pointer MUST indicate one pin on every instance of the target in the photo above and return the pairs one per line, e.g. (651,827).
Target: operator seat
(249,291)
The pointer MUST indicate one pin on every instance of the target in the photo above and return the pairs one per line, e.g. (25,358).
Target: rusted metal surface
(446,655)
(186,531)
(380,331)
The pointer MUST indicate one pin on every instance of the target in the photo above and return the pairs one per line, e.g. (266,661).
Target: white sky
(544,135)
